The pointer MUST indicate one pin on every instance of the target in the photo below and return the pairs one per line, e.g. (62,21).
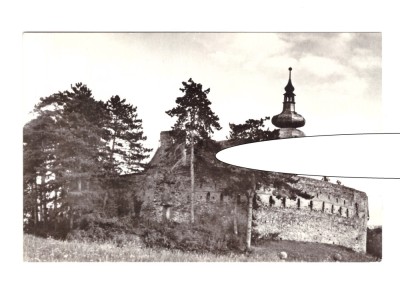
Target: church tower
(288,121)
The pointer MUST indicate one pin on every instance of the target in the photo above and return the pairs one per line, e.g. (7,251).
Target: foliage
(74,153)
(251,131)
(93,228)
(188,237)
(193,112)
(125,133)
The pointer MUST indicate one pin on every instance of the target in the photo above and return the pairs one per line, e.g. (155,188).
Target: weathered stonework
(288,206)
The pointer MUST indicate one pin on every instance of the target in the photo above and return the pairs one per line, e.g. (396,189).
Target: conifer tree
(196,119)
(75,150)
(125,136)
(251,131)
(125,152)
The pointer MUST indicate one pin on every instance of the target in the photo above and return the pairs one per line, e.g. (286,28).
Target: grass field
(38,249)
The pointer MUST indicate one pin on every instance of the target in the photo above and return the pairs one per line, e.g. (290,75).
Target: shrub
(92,228)
(187,237)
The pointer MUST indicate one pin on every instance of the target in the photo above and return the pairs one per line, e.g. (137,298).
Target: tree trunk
(235,226)
(250,197)
(249,221)
(192,177)
(35,209)
(71,218)
(35,215)
(105,201)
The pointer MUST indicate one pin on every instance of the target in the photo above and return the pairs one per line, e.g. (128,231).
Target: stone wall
(296,220)
(318,211)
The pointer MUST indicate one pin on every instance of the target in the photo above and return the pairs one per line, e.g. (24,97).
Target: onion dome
(288,118)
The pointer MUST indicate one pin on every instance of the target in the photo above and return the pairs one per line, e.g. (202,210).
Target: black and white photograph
(202,147)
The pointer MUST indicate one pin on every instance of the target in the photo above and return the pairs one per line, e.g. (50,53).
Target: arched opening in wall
(298,203)
(284,202)
(221,197)
(344,202)
(340,210)
(332,209)
(311,205)
(271,201)
(347,212)
(337,200)
(208,196)
(356,205)
(323,206)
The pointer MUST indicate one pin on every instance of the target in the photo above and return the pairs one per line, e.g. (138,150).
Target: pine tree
(125,152)
(196,120)
(125,134)
(251,131)
(65,150)
(75,151)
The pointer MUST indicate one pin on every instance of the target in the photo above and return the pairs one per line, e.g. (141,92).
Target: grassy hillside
(44,250)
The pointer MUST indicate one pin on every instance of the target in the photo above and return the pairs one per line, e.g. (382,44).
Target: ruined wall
(318,212)
(319,219)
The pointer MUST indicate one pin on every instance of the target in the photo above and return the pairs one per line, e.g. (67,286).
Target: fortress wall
(333,214)
(310,226)
(322,219)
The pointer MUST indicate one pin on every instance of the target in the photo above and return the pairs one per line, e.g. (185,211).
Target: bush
(58,230)
(92,228)
(187,237)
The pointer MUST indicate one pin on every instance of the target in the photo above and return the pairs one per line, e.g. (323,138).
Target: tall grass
(50,250)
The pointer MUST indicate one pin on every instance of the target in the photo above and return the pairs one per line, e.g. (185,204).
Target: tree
(72,124)
(125,136)
(251,131)
(39,141)
(125,150)
(75,150)
(196,120)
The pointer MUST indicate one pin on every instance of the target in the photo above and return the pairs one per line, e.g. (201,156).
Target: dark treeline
(75,152)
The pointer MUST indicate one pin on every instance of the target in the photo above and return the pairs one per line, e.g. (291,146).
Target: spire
(288,121)
(289,95)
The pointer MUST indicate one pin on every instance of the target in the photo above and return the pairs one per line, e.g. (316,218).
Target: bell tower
(289,120)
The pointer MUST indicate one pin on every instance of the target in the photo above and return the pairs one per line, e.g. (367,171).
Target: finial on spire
(289,87)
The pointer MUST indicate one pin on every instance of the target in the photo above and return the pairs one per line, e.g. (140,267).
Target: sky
(337,78)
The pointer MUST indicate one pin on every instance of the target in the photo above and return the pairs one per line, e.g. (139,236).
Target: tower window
(208,196)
